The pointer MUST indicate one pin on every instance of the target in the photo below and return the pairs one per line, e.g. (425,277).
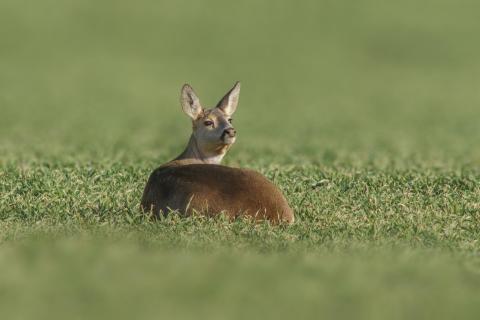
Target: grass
(365,114)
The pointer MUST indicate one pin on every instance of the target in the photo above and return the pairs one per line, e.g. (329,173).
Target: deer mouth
(226,139)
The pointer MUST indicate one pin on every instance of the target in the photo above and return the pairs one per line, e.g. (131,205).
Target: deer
(196,183)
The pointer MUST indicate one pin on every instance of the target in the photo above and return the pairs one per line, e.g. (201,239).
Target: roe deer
(195,182)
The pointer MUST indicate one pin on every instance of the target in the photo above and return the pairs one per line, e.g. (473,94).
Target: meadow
(364,113)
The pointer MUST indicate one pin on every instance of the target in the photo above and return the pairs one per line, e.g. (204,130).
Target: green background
(365,113)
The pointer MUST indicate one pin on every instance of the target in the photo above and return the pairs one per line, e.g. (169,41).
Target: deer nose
(230,132)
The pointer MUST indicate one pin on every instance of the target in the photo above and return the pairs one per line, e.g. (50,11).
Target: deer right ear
(190,102)
(229,102)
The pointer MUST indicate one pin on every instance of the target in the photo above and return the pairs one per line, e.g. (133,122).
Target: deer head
(213,133)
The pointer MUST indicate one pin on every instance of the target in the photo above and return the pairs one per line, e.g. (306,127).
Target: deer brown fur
(195,182)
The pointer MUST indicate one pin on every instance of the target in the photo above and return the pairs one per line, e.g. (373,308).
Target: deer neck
(193,154)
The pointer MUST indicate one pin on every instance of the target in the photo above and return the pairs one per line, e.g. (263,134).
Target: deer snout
(230,132)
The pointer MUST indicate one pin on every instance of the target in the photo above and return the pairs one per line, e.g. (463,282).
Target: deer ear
(190,102)
(229,102)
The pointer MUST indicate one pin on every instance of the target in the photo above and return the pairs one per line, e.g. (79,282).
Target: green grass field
(365,113)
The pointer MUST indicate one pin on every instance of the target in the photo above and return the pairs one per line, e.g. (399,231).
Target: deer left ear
(190,102)
(229,102)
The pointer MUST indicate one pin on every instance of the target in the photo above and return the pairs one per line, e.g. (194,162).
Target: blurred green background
(349,78)
(365,113)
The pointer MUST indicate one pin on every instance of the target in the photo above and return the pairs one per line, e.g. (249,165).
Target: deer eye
(208,123)
(230,120)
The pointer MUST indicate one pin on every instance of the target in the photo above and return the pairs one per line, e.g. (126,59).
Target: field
(365,113)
